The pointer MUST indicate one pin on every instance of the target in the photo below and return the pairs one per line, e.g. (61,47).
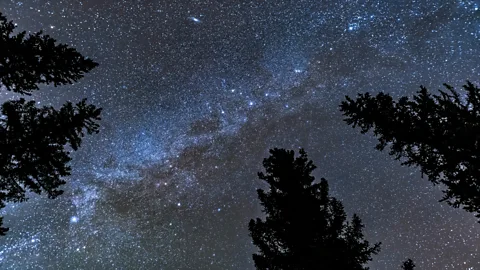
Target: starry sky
(196,92)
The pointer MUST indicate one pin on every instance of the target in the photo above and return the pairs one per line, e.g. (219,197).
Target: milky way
(196,92)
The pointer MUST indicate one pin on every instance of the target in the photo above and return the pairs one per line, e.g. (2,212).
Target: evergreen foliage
(438,133)
(32,140)
(304,227)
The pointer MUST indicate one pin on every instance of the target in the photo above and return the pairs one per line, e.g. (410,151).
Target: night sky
(196,92)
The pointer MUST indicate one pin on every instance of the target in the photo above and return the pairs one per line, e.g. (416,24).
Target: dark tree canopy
(32,140)
(408,265)
(438,133)
(304,227)
(26,61)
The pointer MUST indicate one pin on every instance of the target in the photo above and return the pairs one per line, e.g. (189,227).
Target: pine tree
(32,140)
(304,227)
(438,133)
(408,265)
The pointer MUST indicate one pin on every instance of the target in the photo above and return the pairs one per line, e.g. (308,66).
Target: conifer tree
(33,156)
(304,228)
(408,265)
(438,133)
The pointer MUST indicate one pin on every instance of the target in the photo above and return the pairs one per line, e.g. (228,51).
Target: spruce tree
(439,133)
(408,265)
(304,228)
(33,156)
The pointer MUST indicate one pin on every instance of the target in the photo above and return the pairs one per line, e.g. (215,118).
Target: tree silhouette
(438,133)
(26,61)
(304,227)
(408,265)
(32,140)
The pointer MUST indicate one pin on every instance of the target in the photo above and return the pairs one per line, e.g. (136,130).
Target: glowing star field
(195,93)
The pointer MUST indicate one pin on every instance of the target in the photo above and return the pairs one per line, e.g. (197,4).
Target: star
(74,219)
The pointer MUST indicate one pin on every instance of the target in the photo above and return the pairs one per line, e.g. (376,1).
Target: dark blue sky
(196,92)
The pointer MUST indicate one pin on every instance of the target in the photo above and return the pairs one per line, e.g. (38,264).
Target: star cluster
(196,92)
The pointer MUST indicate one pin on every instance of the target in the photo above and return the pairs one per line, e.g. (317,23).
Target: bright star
(353,26)
(74,219)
